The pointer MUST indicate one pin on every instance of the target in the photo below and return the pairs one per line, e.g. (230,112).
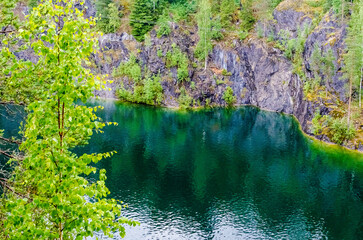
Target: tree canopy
(50,194)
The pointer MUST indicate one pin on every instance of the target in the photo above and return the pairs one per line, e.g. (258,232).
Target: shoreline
(311,137)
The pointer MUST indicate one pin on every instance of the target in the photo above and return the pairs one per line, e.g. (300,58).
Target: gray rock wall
(260,74)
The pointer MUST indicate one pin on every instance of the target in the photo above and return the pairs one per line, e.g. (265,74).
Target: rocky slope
(260,74)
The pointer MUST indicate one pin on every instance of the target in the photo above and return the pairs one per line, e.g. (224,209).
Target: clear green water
(228,174)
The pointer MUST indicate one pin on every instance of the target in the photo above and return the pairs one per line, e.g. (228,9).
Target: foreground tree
(48,196)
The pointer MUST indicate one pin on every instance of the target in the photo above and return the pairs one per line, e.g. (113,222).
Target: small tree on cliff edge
(204,30)
(48,196)
(353,59)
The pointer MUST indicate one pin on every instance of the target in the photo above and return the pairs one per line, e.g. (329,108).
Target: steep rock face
(259,74)
(329,34)
(288,20)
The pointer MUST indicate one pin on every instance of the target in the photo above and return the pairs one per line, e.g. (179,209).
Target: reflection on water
(228,174)
(10,118)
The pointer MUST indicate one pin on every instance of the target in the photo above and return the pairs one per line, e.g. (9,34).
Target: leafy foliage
(48,195)
(32,4)
(7,17)
(216,29)
(328,69)
(226,73)
(353,59)
(163,24)
(274,3)
(337,129)
(228,96)
(204,25)
(226,13)
(246,16)
(176,58)
(181,10)
(130,69)
(109,15)
(143,17)
(149,92)
(184,99)
(316,125)
(8,25)
(243,35)
(341,130)
(338,6)
(115,15)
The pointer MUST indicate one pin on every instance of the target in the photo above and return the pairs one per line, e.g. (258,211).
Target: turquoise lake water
(226,174)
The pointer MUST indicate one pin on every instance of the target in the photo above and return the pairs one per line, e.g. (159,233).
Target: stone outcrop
(258,73)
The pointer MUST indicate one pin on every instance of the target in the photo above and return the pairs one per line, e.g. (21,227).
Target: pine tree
(353,59)
(227,9)
(246,16)
(102,13)
(32,3)
(109,16)
(143,17)
(204,30)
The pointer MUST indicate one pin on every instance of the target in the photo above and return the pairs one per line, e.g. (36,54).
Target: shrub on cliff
(109,16)
(130,69)
(148,91)
(228,96)
(176,58)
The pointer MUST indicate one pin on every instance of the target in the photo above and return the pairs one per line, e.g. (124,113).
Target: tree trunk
(205,45)
(350,100)
(60,231)
(360,89)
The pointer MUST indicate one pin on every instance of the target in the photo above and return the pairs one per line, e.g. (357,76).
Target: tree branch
(10,140)
(7,31)
(12,102)
(4,183)
(6,154)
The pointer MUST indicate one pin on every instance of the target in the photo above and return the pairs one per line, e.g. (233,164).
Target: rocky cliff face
(260,74)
